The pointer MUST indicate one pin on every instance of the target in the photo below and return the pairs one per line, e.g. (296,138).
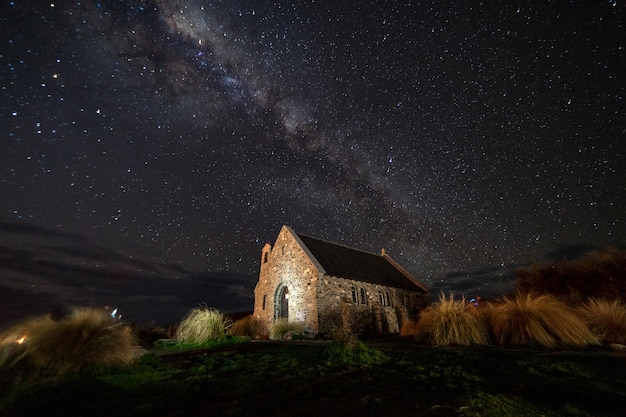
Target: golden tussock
(86,337)
(606,319)
(538,319)
(451,322)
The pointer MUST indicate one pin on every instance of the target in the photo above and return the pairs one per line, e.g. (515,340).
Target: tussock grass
(87,337)
(483,311)
(13,346)
(202,324)
(538,319)
(450,322)
(284,329)
(247,326)
(606,319)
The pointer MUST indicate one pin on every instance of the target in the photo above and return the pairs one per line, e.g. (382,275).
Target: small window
(354,299)
(265,257)
(363,299)
(380,297)
(264,301)
(388,299)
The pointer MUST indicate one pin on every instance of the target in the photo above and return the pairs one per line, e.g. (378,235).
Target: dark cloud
(41,269)
(489,282)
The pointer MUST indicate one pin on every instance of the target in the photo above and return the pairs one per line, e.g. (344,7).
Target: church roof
(344,262)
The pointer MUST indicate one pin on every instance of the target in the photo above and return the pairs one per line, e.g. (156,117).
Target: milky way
(467,140)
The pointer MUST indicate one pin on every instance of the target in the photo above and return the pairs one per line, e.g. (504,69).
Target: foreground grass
(310,379)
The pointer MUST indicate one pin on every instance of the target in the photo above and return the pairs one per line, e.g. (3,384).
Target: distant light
(21,340)
(114,312)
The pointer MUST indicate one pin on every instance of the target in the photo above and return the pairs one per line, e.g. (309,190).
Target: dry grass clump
(606,319)
(450,322)
(538,319)
(202,324)
(284,329)
(247,326)
(483,311)
(13,346)
(86,337)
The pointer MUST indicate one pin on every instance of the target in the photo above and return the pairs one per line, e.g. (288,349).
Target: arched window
(363,299)
(388,299)
(380,297)
(354,299)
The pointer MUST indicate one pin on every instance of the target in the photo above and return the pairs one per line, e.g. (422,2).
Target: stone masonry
(293,285)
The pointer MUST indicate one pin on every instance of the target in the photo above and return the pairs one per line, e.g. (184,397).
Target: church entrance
(282,303)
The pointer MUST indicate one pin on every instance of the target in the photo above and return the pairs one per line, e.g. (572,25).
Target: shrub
(599,275)
(450,322)
(285,329)
(408,328)
(148,333)
(247,326)
(202,324)
(606,319)
(538,319)
(87,337)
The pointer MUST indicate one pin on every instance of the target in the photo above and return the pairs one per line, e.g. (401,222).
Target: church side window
(363,299)
(354,299)
(388,299)
(380,297)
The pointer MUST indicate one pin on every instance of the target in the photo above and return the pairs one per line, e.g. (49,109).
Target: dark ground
(301,379)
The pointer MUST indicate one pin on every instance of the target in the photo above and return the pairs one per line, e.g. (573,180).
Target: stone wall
(286,265)
(366,308)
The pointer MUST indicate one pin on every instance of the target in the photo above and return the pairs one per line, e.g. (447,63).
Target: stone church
(324,285)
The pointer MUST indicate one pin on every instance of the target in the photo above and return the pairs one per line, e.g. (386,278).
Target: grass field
(390,377)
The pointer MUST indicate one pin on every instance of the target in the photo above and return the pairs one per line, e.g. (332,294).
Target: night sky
(466,139)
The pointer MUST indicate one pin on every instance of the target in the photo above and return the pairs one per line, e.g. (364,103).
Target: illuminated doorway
(282,303)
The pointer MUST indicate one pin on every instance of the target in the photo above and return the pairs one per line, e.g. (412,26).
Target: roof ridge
(343,261)
(339,244)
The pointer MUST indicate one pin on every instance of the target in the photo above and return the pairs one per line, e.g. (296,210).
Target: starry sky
(468,139)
